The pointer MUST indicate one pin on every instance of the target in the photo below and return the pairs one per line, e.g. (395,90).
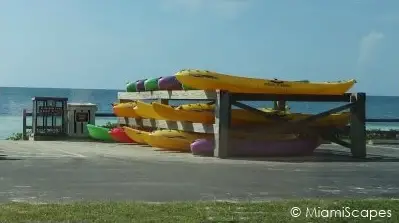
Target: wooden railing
(382,120)
(26,114)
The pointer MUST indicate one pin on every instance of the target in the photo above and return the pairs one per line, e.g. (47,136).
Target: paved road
(60,171)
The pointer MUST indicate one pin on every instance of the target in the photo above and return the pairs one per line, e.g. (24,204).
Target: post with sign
(79,115)
(49,118)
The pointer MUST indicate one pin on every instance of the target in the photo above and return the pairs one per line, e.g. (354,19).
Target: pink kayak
(242,147)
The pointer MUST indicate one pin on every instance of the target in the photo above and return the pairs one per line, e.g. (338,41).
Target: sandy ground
(68,171)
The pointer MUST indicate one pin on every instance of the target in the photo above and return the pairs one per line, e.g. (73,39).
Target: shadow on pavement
(322,156)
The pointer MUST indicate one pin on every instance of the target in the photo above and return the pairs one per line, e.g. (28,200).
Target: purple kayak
(242,147)
(140,85)
(169,83)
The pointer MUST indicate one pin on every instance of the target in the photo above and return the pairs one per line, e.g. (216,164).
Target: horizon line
(122,90)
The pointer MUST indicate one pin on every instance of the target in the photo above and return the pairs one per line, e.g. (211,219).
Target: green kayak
(99,133)
(151,84)
(131,87)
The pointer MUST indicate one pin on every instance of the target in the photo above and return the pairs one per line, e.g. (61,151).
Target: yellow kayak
(241,116)
(136,135)
(145,110)
(208,80)
(206,116)
(198,106)
(167,112)
(125,110)
(337,119)
(174,140)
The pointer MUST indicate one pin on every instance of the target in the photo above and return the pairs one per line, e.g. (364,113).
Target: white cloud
(367,48)
(228,9)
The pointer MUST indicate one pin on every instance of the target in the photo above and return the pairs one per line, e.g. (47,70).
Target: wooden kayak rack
(223,100)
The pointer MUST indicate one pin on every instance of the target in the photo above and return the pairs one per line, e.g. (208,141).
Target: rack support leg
(222,124)
(358,126)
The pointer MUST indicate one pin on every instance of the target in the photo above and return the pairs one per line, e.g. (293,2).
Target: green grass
(276,211)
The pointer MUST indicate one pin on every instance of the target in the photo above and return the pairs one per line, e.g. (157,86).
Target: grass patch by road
(276,211)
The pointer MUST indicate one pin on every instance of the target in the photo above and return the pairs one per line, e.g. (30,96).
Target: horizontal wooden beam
(211,95)
(382,120)
(163,124)
(247,130)
(294,97)
(268,115)
(105,115)
(97,114)
(49,98)
(171,95)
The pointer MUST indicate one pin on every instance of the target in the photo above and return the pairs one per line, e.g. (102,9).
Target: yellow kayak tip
(145,110)
(125,110)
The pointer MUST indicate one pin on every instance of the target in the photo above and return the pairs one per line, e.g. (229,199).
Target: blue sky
(104,43)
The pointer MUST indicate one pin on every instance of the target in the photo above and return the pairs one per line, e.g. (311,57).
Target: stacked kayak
(119,135)
(151,84)
(208,80)
(172,140)
(145,110)
(136,135)
(192,79)
(204,113)
(158,83)
(244,147)
(244,143)
(125,110)
(169,83)
(99,133)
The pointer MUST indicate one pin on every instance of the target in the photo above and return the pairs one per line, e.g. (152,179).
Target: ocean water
(14,100)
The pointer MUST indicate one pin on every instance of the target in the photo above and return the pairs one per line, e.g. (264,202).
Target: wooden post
(163,101)
(24,125)
(281,105)
(65,117)
(222,123)
(275,105)
(357,125)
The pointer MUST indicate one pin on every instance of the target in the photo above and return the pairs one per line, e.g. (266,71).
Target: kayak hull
(242,147)
(169,113)
(99,133)
(125,110)
(169,83)
(140,85)
(188,88)
(206,115)
(131,87)
(136,135)
(208,80)
(145,110)
(119,135)
(174,140)
(151,84)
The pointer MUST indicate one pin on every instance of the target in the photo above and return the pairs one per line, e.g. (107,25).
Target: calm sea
(14,100)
